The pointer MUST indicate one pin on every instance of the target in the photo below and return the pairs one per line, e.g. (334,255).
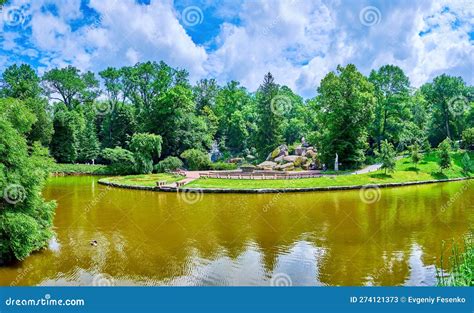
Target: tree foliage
(145,148)
(444,154)
(196,159)
(345,110)
(386,156)
(25,217)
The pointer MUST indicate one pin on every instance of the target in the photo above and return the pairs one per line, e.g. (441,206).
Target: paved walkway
(190,176)
(368,169)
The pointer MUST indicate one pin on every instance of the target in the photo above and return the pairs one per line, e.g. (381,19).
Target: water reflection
(147,238)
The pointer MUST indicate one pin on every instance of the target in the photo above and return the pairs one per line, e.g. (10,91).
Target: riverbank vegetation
(76,169)
(134,117)
(461,265)
(143,180)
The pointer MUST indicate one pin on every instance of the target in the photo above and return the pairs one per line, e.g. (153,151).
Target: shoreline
(280,190)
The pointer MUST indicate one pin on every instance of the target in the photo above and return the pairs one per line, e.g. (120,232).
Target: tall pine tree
(269,122)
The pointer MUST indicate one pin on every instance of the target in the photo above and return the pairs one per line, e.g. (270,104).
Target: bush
(468,138)
(466,163)
(25,217)
(121,160)
(196,159)
(223,166)
(444,156)
(169,164)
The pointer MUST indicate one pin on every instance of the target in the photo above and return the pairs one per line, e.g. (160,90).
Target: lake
(317,238)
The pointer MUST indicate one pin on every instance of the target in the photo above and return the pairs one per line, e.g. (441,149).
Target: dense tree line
(79,114)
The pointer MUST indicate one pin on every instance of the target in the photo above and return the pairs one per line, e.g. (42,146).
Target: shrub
(169,164)
(25,217)
(223,166)
(444,156)
(121,160)
(466,163)
(468,138)
(196,159)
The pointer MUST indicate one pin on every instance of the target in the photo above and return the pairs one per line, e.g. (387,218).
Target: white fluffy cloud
(298,41)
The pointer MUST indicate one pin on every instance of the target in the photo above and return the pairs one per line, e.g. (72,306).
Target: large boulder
(267,165)
(310,153)
(299,150)
(279,151)
(300,161)
(279,159)
(285,167)
(291,158)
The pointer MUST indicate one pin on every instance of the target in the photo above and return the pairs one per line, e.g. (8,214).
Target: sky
(298,41)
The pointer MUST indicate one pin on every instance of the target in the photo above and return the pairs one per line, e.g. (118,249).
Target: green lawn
(428,169)
(143,180)
(80,169)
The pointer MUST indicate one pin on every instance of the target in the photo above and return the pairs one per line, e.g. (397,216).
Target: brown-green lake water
(320,238)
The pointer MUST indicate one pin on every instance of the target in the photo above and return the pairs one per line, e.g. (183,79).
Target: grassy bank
(72,169)
(405,171)
(461,263)
(143,180)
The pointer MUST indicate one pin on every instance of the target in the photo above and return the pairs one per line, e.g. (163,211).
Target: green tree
(169,164)
(121,161)
(468,138)
(444,156)
(268,118)
(386,156)
(65,143)
(447,97)
(179,126)
(22,82)
(236,114)
(196,159)
(205,93)
(25,217)
(391,91)
(71,86)
(415,154)
(145,148)
(466,163)
(345,110)
(88,148)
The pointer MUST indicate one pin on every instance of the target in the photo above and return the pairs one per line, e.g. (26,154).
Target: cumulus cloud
(298,41)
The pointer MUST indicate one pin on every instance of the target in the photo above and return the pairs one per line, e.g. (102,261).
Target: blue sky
(299,41)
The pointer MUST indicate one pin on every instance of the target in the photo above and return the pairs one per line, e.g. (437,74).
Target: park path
(368,169)
(190,176)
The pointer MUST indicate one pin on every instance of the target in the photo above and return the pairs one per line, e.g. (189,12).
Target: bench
(160,183)
(179,184)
